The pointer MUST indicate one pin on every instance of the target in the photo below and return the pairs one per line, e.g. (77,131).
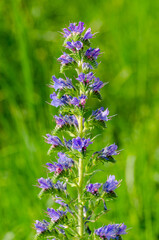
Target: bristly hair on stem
(76,201)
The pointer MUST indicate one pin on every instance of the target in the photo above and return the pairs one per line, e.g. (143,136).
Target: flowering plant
(75,199)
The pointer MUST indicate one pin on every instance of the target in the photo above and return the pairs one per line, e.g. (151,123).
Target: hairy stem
(80,185)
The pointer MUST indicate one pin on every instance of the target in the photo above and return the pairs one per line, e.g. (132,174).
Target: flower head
(73,29)
(55,167)
(61,202)
(79,101)
(65,161)
(100,114)
(97,85)
(56,102)
(55,215)
(53,140)
(60,121)
(111,184)
(71,120)
(85,78)
(60,186)
(74,45)
(75,101)
(110,150)
(92,53)
(88,34)
(65,59)
(93,188)
(83,99)
(80,143)
(86,66)
(68,143)
(111,231)
(41,226)
(60,83)
(66,120)
(107,152)
(45,183)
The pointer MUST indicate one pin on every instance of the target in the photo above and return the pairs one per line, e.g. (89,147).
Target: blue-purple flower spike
(75,200)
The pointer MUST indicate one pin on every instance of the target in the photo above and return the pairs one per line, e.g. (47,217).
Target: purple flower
(68,143)
(45,183)
(70,45)
(88,34)
(110,150)
(86,66)
(78,45)
(71,120)
(74,45)
(121,229)
(80,143)
(60,83)
(111,184)
(61,202)
(53,140)
(75,101)
(64,120)
(73,29)
(100,114)
(55,167)
(65,59)
(92,53)
(107,152)
(56,102)
(65,99)
(93,188)
(83,99)
(55,215)
(85,78)
(80,28)
(60,186)
(60,121)
(65,161)
(111,231)
(79,101)
(97,85)
(41,226)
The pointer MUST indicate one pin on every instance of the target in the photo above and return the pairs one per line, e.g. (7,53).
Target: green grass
(30,44)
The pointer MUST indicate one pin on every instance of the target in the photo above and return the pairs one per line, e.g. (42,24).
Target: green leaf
(45,234)
(99,123)
(96,94)
(86,43)
(66,67)
(92,62)
(108,159)
(76,56)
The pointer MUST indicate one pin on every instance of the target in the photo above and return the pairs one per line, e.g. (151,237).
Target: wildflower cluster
(75,199)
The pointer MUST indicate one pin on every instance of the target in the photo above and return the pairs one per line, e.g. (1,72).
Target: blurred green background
(128,36)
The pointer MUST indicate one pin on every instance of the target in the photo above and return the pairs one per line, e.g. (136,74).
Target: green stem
(79,69)
(80,185)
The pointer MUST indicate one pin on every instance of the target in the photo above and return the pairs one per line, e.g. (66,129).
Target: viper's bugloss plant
(76,198)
